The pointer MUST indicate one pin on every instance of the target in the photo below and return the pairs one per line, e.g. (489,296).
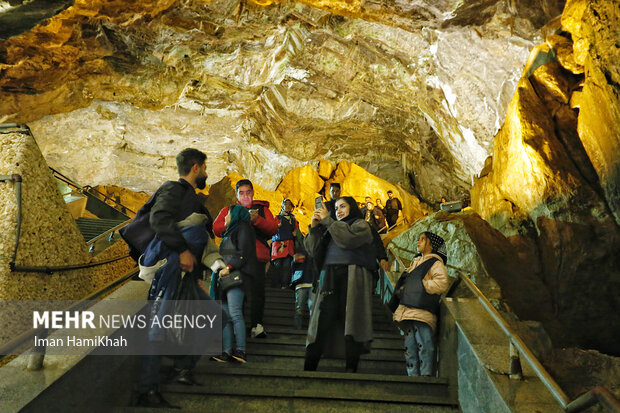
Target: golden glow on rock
(301,186)
(326,168)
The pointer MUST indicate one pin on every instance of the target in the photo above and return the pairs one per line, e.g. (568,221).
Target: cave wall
(553,176)
(264,89)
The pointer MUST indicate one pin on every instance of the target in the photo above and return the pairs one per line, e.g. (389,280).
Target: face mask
(201,182)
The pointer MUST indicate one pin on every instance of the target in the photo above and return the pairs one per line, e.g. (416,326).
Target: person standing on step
(265,226)
(334,193)
(302,277)
(283,245)
(167,237)
(366,209)
(238,249)
(415,303)
(393,209)
(342,309)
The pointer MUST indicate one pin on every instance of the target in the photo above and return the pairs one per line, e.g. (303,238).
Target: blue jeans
(301,300)
(233,307)
(420,349)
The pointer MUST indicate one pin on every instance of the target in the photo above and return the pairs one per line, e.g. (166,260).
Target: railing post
(515,372)
(35,360)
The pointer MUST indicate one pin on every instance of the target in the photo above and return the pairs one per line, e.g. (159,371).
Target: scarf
(439,245)
(354,211)
(238,215)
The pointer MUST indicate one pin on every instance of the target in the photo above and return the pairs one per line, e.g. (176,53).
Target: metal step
(93,227)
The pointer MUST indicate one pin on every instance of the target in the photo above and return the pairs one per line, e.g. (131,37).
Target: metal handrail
(596,395)
(45,269)
(515,340)
(517,346)
(18,199)
(116,228)
(89,189)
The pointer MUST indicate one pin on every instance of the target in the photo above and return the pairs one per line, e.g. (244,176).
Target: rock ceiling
(413,91)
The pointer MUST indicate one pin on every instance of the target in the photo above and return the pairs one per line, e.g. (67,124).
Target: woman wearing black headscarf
(416,303)
(342,311)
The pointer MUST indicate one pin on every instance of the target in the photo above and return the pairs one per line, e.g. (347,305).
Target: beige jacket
(436,281)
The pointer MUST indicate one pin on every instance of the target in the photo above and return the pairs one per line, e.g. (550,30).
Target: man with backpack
(168,236)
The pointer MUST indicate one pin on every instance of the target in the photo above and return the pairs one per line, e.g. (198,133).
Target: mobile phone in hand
(318,202)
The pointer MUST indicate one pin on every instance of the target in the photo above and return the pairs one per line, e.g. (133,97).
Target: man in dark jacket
(393,209)
(334,194)
(265,226)
(172,203)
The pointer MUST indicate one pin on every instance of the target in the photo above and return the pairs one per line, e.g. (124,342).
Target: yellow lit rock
(529,165)
(563,48)
(594,29)
(301,186)
(128,198)
(555,85)
(326,168)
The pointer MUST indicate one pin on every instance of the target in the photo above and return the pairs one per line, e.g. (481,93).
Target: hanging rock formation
(412,92)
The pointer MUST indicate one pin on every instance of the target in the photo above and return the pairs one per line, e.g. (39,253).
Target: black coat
(238,249)
(172,202)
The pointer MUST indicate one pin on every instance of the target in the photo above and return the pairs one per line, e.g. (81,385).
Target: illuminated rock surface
(302,185)
(262,90)
(412,92)
(554,174)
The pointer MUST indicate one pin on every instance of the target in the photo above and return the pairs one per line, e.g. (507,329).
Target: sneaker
(239,355)
(223,358)
(153,398)
(258,331)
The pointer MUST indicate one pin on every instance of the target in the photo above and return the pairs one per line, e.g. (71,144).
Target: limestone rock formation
(554,175)
(411,91)
(48,237)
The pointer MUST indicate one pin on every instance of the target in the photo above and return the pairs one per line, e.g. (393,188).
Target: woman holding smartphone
(342,311)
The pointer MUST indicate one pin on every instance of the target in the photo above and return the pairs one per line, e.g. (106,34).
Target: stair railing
(92,191)
(519,349)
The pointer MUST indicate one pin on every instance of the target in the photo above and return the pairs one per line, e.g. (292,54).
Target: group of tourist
(337,263)
(381,218)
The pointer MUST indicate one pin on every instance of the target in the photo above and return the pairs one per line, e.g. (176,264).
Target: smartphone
(318,202)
